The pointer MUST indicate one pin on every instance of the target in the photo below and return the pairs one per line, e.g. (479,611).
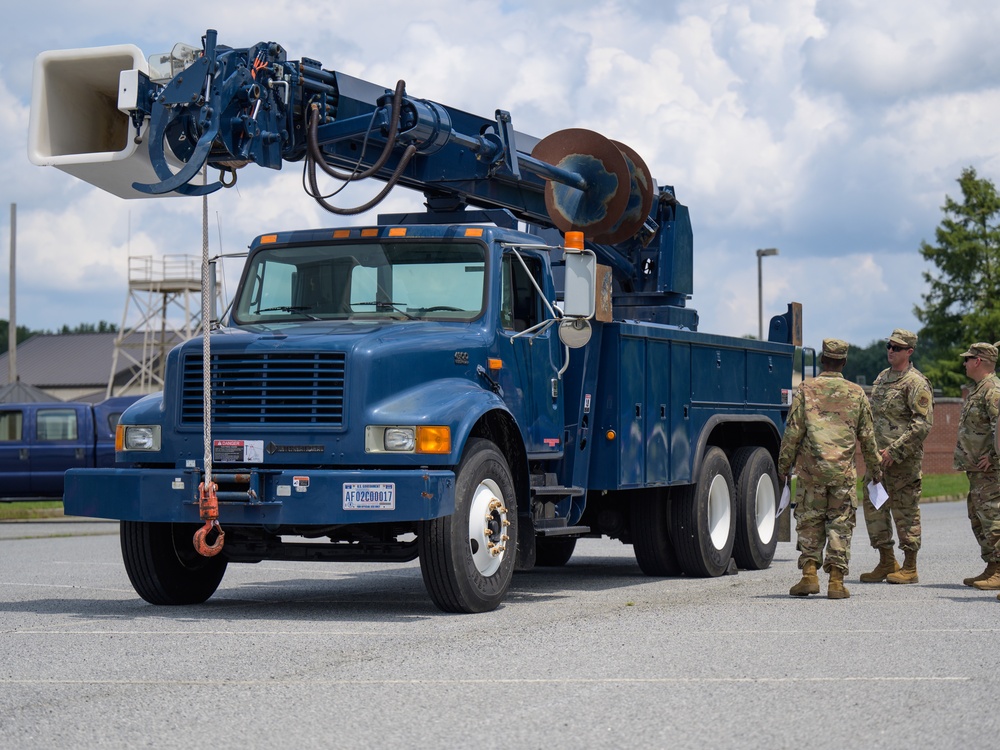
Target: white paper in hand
(786,498)
(877,494)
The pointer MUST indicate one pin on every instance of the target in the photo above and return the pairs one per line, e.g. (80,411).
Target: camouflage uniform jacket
(976,426)
(827,418)
(903,410)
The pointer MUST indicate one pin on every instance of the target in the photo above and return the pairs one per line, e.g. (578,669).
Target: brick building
(939,448)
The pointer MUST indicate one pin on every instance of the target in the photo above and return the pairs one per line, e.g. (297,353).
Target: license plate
(370,496)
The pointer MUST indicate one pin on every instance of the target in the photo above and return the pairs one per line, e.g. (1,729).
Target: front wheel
(702,518)
(467,558)
(164,567)
(756,503)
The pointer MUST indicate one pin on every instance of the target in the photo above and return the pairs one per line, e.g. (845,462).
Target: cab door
(60,444)
(531,360)
(15,464)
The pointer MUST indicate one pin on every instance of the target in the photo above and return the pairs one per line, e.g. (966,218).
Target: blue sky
(831,130)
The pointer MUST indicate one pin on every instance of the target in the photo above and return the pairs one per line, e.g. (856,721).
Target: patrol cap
(902,337)
(837,349)
(983,350)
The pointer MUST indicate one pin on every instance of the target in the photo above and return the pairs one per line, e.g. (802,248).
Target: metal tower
(163,309)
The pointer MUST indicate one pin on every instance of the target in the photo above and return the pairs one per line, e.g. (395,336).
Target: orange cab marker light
(474,232)
(610,435)
(397,232)
(268,239)
(341,234)
(369,233)
(495,364)
(574,240)
(433,439)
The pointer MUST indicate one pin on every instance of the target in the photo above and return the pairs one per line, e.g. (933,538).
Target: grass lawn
(19,511)
(945,485)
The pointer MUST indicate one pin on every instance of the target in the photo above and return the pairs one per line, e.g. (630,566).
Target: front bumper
(272,498)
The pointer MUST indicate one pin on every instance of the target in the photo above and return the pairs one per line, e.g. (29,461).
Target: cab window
(57,424)
(520,306)
(10,426)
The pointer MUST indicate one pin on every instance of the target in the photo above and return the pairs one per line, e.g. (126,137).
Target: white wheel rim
(766,505)
(488,527)
(719,512)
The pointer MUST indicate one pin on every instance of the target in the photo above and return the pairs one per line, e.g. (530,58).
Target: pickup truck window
(57,424)
(413,280)
(10,426)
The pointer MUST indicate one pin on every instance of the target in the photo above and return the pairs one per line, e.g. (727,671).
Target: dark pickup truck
(40,441)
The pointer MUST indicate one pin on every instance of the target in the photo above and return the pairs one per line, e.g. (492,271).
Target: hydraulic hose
(316,153)
(404,160)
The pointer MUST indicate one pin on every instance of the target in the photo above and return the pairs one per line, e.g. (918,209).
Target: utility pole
(12,322)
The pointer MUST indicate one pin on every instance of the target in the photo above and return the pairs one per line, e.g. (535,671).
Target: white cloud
(829,129)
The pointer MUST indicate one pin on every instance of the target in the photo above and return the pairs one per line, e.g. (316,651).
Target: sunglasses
(966,359)
(894,348)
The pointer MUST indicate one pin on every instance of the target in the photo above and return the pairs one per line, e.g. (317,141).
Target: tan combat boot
(909,572)
(991,568)
(809,583)
(989,584)
(887,564)
(837,589)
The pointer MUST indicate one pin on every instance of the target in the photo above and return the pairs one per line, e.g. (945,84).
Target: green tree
(864,364)
(102,327)
(962,304)
(23,333)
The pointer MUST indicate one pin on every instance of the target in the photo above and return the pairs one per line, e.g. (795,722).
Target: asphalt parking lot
(590,655)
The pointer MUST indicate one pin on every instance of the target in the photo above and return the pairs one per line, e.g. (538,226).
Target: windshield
(410,280)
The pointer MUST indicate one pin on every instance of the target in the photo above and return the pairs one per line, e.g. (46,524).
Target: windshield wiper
(385,305)
(286,308)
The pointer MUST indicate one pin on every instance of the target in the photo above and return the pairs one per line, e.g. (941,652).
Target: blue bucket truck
(477,385)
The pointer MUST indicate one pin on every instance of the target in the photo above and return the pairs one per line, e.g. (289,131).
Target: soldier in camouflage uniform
(975,453)
(828,416)
(903,409)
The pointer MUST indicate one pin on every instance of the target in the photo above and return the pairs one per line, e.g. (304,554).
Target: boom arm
(228,108)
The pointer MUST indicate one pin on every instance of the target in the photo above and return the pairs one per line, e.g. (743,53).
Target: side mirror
(580,285)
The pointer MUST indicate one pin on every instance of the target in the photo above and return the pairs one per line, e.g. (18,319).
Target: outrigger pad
(598,209)
(640,199)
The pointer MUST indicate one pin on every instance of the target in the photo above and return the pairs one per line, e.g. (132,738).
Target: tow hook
(208,506)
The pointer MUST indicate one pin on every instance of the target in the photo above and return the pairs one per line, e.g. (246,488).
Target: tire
(460,571)
(554,552)
(702,518)
(163,566)
(651,543)
(756,502)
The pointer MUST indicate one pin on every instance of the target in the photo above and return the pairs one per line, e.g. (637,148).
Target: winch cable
(208,501)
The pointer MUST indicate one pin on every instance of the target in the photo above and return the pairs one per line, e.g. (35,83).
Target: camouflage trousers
(825,516)
(903,482)
(984,512)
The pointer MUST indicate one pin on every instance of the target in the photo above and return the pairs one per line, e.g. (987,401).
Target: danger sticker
(238,451)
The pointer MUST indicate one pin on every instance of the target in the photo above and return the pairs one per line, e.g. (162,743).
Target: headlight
(139,437)
(407,439)
(400,439)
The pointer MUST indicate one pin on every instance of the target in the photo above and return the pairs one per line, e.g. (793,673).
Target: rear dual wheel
(702,518)
(756,503)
